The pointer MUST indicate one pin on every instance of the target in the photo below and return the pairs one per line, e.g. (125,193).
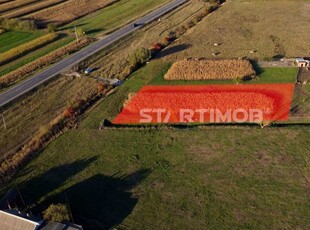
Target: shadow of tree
(99,202)
(45,183)
(259,70)
(173,49)
(102,202)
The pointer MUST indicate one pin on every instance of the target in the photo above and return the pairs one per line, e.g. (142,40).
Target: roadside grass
(111,105)
(12,39)
(244,26)
(212,178)
(4,69)
(24,118)
(113,16)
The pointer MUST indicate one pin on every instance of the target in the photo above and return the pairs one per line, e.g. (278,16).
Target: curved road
(65,64)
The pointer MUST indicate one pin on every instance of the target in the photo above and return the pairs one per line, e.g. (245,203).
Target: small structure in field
(301,62)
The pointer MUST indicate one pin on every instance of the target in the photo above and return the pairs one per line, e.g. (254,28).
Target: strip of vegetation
(15,4)
(34,56)
(32,8)
(69,11)
(17,24)
(11,39)
(23,72)
(27,47)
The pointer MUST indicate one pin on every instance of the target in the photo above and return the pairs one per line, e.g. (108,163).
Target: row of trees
(17,24)
(22,25)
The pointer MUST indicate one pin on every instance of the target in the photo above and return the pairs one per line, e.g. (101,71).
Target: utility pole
(3,121)
(69,209)
(76,34)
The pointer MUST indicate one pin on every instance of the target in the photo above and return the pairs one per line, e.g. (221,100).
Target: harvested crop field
(28,9)
(69,11)
(170,104)
(210,69)
(254,29)
(15,4)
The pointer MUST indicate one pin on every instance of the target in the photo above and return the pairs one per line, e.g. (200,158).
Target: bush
(140,57)
(51,27)
(27,47)
(17,24)
(56,213)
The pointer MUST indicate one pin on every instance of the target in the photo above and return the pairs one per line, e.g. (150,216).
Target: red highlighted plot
(208,104)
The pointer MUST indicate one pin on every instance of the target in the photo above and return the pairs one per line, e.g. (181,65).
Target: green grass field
(12,39)
(113,16)
(210,178)
(4,69)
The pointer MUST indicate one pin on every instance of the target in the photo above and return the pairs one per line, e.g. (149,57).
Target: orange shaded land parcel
(208,104)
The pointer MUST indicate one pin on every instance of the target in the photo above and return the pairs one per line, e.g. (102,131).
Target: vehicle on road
(88,70)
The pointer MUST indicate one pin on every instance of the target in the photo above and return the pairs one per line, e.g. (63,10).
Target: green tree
(140,57)
(80,32)
(56,213)
(28,25)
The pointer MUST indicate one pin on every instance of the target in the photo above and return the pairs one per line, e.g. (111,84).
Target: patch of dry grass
(25,118)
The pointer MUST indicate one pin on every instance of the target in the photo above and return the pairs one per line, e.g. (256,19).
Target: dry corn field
(31,8)
(210,69)
(69,11)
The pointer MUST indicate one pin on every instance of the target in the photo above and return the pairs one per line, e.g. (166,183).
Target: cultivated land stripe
(65,64)
(32,8)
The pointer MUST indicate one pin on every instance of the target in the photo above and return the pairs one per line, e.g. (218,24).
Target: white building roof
(301,60)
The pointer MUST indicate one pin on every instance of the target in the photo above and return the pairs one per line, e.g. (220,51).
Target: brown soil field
(210,69)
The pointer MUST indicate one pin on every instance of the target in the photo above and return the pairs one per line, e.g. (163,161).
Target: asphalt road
(24,87)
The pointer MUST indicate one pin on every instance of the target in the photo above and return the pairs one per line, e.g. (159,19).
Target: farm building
(301,62)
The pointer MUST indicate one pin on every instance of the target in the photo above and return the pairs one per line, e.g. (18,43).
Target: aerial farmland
(197,119)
